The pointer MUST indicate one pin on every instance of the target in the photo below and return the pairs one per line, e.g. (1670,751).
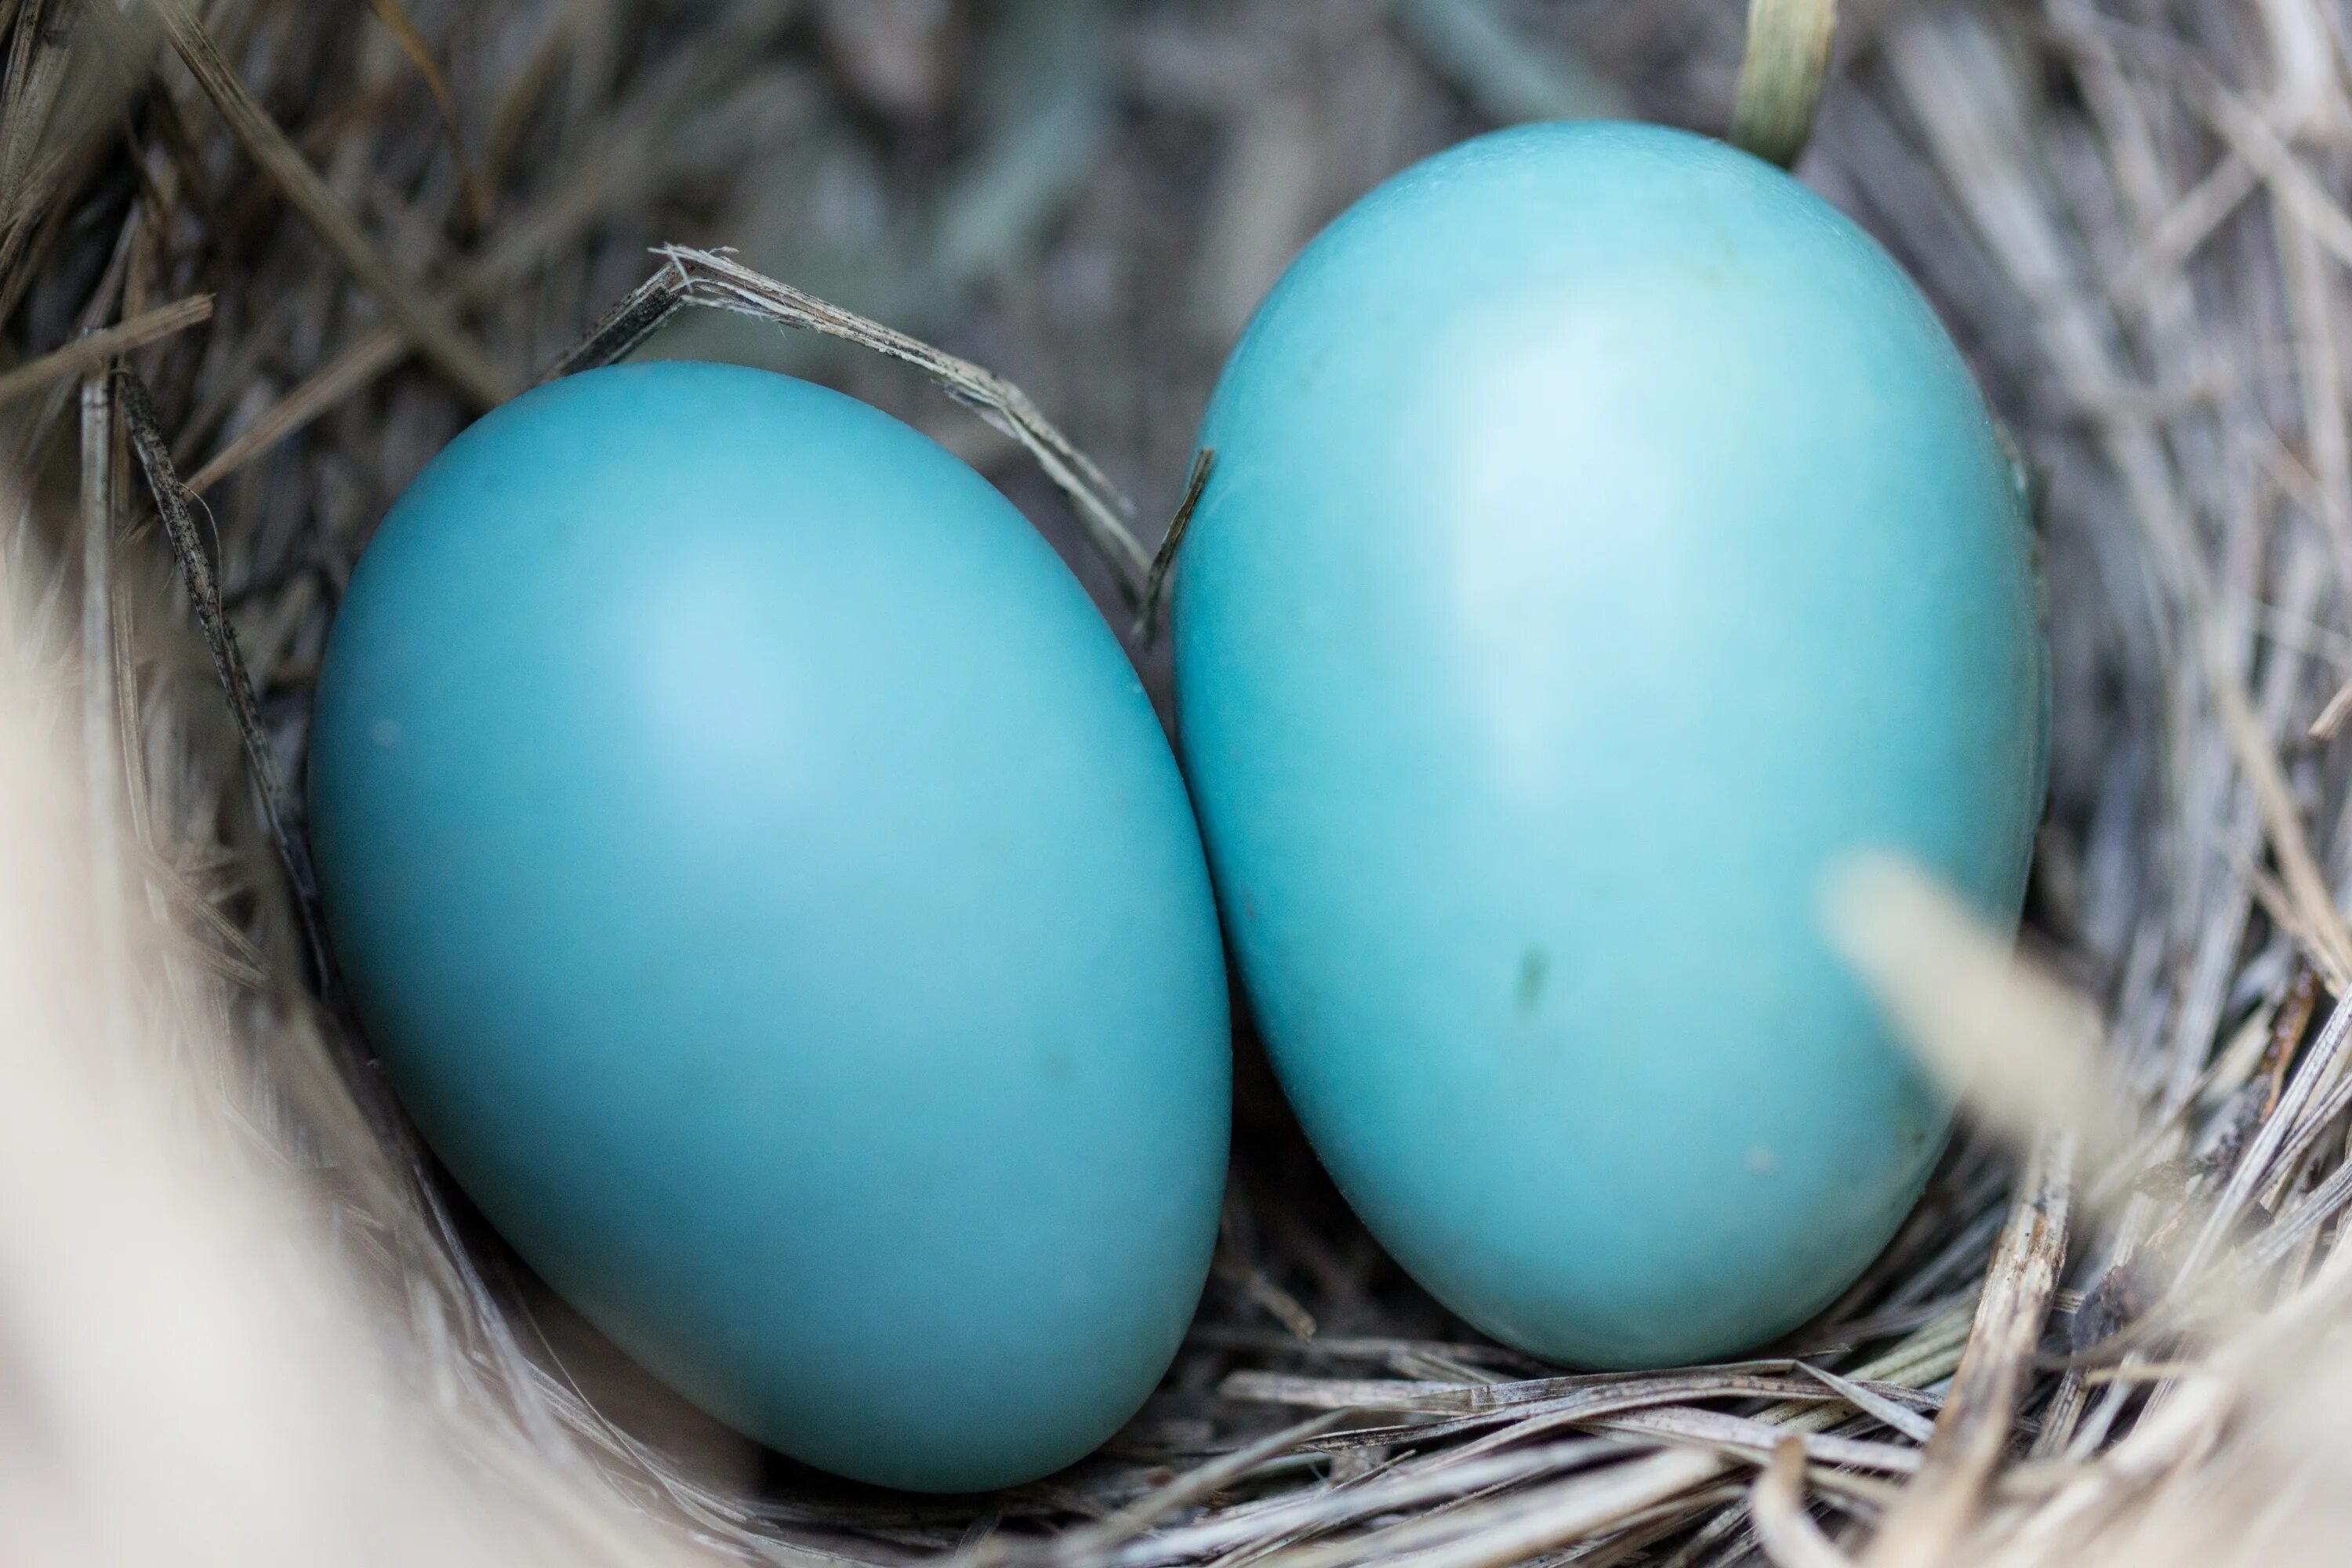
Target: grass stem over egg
(1781,80)
(708,278)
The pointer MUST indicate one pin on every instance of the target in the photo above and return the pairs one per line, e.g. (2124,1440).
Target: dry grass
(241,1319)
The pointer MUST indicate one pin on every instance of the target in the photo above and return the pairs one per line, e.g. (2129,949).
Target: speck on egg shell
(1604,539)
(767,884)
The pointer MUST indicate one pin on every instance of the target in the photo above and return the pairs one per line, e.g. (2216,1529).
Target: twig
(404,29)
(602,177)
(36,69)
(705,278)
(1526,1526)
(622,330)
(95,349)
(1424,1480)
(1781,79)
(1790,1536)
(2185,225)
(1750,1438)
(172,505)
(1080,1545)
(2323,1063)
(338,379)
(1981,1408)
(1602,1397)
(1280,1304)
(101,760)
(2313,1209)
(2164,1439)
(2252,136)
(1910,1423)
(1163,563)
(1495,1533)
(2331,718)
(456,355)
(2322,924)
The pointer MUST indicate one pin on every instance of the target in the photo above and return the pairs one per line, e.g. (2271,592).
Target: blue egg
(1604,540)
(767,884)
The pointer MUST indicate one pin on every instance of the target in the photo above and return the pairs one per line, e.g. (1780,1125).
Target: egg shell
(1604,539)
(768,885)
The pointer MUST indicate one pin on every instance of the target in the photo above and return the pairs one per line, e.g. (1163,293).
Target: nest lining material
(315,238)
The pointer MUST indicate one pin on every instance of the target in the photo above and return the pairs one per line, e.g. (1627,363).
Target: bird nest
(259,264)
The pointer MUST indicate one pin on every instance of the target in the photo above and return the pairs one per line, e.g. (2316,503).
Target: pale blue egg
(1604,539)
(767,884)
